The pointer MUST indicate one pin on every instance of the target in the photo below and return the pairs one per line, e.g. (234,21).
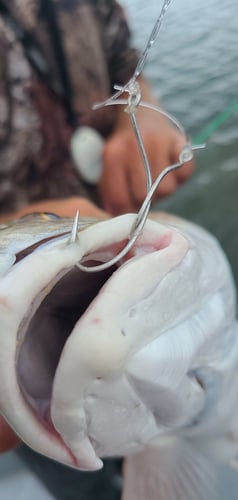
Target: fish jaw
(98,351)
(17,290)
(22,290)
(98,404)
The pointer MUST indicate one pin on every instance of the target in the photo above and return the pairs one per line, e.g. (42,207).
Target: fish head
(84,356)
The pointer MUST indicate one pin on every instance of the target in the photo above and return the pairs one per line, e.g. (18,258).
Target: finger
(8,438)
(136,176)
(159,160)
(184,172)
(167,186)
(113,186)
(157,154)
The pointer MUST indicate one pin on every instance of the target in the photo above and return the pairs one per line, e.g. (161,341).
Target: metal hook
(185,155)
(134,100)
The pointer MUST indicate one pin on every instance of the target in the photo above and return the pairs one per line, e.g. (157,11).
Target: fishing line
(216,123)
(142,60)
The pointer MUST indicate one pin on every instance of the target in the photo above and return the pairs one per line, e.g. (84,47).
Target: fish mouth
(45,332)
(63,311)
(48,324)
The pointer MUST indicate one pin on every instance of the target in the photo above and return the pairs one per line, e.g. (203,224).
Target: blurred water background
(193,67)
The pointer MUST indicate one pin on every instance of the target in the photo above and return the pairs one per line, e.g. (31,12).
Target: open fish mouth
(48,324)
(45,332)
(72,337)
(46,301)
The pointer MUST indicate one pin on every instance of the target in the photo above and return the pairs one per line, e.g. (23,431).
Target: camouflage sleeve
(17,132)
(4,97)
(121,57)
(96,41)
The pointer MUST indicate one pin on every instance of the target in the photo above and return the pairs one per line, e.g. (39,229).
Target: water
(194,69)
(193,64)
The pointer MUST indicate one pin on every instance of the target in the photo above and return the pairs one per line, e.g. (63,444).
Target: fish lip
(65,279)
(50,431)
(100,362)
(27,329)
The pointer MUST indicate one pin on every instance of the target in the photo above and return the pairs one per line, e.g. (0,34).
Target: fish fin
(177,469)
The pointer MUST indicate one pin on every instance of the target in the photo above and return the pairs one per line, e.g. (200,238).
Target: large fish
(139,360)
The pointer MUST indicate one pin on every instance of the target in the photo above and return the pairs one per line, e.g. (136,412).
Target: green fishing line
(216,123)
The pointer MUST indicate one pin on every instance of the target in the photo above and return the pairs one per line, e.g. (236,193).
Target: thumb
(114,188)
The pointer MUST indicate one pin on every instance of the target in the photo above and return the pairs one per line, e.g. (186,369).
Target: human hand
(123,182)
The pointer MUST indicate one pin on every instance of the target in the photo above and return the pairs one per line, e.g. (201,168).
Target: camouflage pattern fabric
(34,135)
